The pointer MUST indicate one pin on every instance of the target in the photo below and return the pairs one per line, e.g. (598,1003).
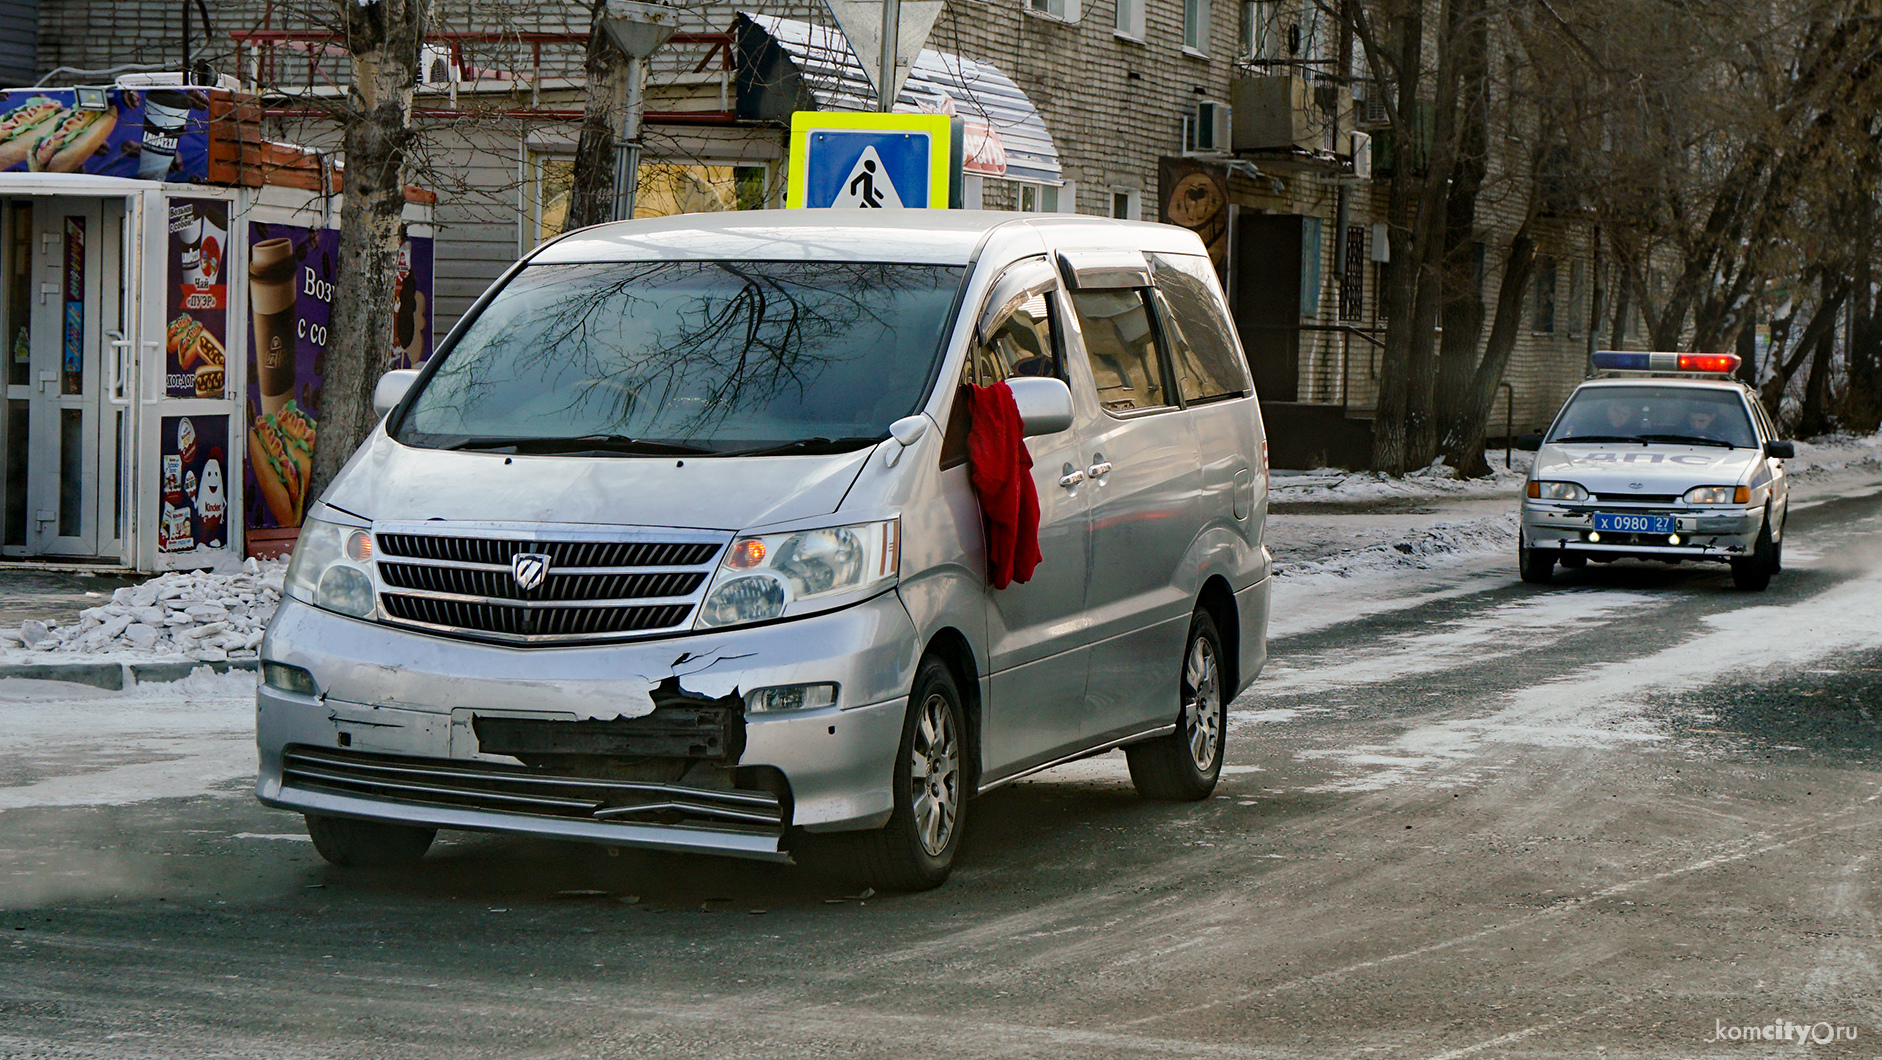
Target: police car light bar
(1627,361)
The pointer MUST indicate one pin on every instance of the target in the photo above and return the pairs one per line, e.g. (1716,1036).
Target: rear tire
(1753,573)
(368,844)
(915,850)
(1535,565)
(1184,766)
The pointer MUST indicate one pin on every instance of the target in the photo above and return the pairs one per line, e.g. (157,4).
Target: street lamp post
(638,30)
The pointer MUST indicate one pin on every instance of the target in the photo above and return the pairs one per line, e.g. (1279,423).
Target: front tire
(915,850)
(1184,766)
(1753,573)
(1535,565)
(353,843)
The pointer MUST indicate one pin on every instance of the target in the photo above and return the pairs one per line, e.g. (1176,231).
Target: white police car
(1666,457)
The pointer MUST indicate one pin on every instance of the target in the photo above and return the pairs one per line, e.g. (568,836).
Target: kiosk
(165,290)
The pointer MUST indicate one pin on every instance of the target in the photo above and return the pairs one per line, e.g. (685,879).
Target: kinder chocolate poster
(156,134)
(411,321)
(290,298)
(198,299)
(194,509)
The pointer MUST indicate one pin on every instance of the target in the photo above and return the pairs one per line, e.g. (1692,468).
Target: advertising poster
(193,512)
(198,312)
(1195,195)
(72,337)
(290,298)
(155,134)
(411,321)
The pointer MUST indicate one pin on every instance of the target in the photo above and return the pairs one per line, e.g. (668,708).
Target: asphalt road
(1631,814)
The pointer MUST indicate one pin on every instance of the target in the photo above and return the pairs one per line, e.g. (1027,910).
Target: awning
(786,65)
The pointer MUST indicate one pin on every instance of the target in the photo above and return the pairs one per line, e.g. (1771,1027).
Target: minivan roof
(937,237)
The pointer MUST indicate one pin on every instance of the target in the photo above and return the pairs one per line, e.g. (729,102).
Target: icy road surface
(1619,816)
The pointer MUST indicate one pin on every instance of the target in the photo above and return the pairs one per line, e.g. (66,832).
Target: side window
(1764,418)
(1207,359)
(1122,347)
(1023,345)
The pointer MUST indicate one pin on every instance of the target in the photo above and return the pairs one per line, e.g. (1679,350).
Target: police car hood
(389,481)
(1630,467)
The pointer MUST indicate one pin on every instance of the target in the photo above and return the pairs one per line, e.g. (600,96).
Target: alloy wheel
(1202,701)
(935,775)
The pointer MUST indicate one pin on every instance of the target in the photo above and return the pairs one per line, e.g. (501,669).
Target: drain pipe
(189,68)
(1509,421)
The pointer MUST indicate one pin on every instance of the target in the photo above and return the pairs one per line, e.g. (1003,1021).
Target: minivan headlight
(332,568)
(1557,491)
(765,576)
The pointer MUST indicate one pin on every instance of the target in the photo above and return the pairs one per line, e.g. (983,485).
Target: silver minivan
(673,544)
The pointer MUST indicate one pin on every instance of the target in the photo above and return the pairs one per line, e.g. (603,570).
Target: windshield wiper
(1580,438)
(809,445)
(586,443)
(1685,439)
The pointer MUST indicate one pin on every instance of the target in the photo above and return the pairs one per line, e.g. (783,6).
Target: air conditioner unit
(435,66)
(1369,105)
(1206,128)
(1362,156)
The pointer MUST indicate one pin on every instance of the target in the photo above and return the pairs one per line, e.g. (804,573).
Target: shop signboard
(290,298)
(196,335)
(152,134)
(194,509)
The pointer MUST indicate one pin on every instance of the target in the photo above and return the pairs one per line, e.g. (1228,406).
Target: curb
(117,676)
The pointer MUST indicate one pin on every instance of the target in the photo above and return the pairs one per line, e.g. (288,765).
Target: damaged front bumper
(637,744)
(1704,534)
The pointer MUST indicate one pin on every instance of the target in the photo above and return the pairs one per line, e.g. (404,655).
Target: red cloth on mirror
(1000,467)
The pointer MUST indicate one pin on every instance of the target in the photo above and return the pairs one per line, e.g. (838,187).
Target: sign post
(872,161)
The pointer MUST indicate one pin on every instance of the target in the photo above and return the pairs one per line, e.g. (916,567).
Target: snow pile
(1438,480)
(1836,452)
(1427,547)
(195,614)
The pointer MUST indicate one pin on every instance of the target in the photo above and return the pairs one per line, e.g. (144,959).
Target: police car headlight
(768,576)
(1557,491)
(1718,495)
(332,568)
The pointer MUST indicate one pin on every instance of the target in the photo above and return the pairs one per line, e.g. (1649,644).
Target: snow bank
(1836,452)
(196,615)
(1438,480)
(1431,546)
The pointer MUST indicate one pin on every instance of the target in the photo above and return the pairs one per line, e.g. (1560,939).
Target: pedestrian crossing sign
(871,161)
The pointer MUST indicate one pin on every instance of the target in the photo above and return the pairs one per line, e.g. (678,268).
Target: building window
(1047,198)
(1130,19)
(553,178)
(1577,296)
(1353,275)
(1196,26)
(1542,304)
(1063,10)
(1124,205)
(1264,36)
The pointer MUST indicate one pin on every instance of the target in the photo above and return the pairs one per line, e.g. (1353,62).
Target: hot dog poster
(197,336)
(193,512)
(154,134)
(290,297)
(411,317)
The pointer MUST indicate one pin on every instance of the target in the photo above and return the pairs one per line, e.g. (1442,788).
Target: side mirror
(905,432)
(392,389)
(1781,450)
(1529,443)
(1045,404)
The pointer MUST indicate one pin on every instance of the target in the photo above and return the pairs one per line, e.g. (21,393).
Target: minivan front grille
(587,590)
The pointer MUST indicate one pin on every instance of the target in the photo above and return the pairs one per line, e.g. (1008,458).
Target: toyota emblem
(529,569)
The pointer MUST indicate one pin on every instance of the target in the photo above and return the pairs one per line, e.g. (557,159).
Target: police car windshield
(1663,414)
(693,357)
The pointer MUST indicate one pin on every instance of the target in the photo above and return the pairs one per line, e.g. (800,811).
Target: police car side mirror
(1529,443)
(1781,450)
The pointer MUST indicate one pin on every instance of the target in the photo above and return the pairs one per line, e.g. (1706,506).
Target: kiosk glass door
(60,298)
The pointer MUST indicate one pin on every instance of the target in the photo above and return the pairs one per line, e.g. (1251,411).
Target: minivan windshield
(684,357)
(1671,414)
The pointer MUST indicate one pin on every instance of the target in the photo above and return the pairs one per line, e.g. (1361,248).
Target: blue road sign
(868,168)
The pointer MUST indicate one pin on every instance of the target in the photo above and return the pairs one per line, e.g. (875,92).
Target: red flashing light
(1724,363)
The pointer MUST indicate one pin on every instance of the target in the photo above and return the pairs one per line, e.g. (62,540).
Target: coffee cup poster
(193,514)
(155,134)
(196,339)
(290,301)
